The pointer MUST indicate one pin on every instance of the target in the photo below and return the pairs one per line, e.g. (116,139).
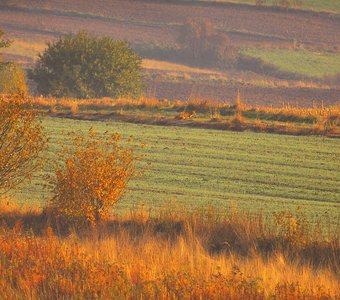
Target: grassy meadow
(332,6)
(301,62)
(197,167)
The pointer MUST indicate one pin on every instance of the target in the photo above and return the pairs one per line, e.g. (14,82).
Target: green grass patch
(323,5)
(332,6)
(301,62)
(197,167)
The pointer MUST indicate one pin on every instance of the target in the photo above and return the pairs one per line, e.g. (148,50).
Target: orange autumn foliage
(175,254)
(21,140)
(94,175)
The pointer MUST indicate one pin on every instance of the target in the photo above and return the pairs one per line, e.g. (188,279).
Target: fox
(185,115)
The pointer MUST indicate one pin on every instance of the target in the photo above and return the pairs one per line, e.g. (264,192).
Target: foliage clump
(3,44)
(84,66)
(21,140)
(12,80)
(204,45)
(93,177)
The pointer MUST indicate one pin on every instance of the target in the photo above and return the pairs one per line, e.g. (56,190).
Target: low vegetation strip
(200,166)
(232,255)
(198,113)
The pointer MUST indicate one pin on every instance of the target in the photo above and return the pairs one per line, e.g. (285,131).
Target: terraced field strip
(197,167)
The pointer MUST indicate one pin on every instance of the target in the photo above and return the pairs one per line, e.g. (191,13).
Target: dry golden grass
(171,255)
(210,114)
(167,66)
(302,112)
(200,104)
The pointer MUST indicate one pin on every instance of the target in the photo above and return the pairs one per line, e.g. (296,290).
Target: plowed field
(158,20)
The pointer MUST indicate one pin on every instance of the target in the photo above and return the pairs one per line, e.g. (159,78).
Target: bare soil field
(55,24)
(251,95)
(311,29)
(149,22)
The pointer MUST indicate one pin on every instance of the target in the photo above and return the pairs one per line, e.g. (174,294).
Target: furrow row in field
(249,176)
(265,142)
(200,197)
(282,145)
(247,185)
(221,165)
(290,161)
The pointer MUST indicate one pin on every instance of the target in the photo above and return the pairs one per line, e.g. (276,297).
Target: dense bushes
(21,141)
(12,80)
(204,45)
(88,67)
(3,44)
(93,176)
(21,136)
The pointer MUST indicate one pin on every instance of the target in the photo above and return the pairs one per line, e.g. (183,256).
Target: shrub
(3,44)
(21,141)
(292,228)
(205,45)
(238,119)
(94,176)
(88,67)
(12,80)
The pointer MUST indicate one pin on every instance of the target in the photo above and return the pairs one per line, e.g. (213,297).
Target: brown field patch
(158,21)
(252,95)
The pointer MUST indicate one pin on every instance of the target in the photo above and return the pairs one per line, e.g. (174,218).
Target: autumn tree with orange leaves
(93,176)
(21,141)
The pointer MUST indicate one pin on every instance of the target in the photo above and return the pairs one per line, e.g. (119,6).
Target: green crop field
(332,6)
(301,62)
(200,166)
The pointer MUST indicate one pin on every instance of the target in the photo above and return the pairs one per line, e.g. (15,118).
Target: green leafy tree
(87,67)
